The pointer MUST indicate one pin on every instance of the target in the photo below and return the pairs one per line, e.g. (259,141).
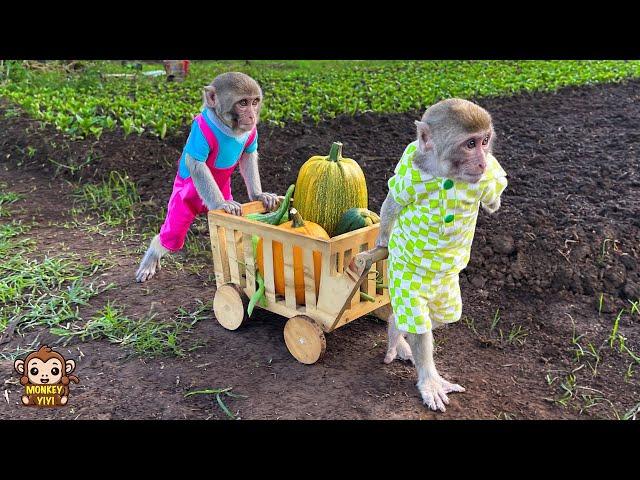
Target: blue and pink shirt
(230,148)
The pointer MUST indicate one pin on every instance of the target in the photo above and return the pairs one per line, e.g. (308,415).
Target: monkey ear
(425,140)
(70,366)
(210,96)
(19,366)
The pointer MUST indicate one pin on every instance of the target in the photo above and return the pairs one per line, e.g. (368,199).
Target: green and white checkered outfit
(430,242)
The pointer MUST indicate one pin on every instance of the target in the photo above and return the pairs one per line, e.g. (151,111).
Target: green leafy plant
(614,331)
(92,102)
(495,321)
(600,303)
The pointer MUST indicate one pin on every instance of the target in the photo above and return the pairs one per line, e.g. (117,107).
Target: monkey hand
(382,242)
(25,400)
(269,200)
(232,207)
(434,389)
(492,207)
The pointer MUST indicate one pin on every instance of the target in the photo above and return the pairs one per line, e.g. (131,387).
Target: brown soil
(568,230)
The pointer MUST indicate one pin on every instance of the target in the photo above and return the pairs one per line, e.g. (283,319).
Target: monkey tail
(74,379)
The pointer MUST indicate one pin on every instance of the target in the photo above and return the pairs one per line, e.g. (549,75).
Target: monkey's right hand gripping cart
(345,272)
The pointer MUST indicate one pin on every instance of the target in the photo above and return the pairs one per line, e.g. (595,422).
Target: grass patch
(74,167)
(41,292)
(88,103)
(628,375)
(614,331)
(608,245)
(19,351)
(585,353)
(632,413)
(493,335)
(579,397)
(7,198)
(600,304)
(495,321)
(114,200)
(505,416)
(44,293)
(219,392)
(142,337)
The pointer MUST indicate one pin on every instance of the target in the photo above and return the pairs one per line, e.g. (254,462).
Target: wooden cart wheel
(305,339)
(230,306)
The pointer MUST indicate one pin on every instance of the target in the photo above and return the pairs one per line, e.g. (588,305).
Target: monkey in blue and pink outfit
(223,136)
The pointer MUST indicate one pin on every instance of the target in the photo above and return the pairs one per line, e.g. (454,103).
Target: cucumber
(258,296)
(275,217)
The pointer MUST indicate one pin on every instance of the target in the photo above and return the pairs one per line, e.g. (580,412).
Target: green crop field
(90,102)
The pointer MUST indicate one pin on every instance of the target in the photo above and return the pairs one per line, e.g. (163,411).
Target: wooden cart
(346,270)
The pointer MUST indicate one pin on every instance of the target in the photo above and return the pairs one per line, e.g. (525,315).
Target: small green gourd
(275,217)
(356,218)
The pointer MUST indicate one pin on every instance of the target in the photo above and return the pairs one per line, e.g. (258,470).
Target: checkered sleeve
(493,190)
(496,182)
(401,190)
(401,185)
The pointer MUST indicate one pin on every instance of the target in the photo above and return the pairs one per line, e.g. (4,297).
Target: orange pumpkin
(309,229)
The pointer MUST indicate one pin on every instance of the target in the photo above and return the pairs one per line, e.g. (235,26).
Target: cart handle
(362,262)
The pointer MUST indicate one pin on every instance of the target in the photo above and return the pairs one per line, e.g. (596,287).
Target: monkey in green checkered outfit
(427,222)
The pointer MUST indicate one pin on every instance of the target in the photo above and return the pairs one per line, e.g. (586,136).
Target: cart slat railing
(338,300)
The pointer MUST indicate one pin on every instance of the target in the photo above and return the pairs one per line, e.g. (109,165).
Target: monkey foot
(404,351)
(401,350)
(434,392)
(147,269)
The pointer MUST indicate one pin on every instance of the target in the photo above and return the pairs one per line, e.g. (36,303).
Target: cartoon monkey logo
(46,377)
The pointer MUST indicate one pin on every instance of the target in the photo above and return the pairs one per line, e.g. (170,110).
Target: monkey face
(236,99)
(455,136)
(43,373)
(247,112)
(468,160)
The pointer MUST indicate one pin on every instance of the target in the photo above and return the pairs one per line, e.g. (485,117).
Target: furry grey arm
(388,214)
(249,170)
(205,184)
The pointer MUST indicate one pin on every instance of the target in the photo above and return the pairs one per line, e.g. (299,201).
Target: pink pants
(184,205)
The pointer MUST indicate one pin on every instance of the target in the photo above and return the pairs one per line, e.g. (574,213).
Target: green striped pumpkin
(356,218)
(328,186)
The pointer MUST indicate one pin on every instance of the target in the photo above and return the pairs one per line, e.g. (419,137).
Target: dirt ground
(568,231)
